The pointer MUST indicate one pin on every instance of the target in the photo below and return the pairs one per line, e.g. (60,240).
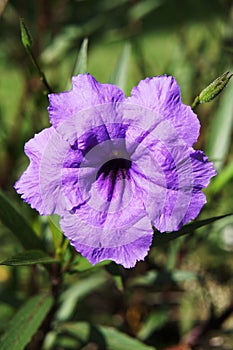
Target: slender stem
(196,102)
(41,74)
(27,43)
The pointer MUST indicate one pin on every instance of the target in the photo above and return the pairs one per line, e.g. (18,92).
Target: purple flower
(112,166)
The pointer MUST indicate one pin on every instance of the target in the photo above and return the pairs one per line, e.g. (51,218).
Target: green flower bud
(212,90)
(25,36)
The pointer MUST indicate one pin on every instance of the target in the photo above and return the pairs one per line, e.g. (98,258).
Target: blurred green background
(181,284)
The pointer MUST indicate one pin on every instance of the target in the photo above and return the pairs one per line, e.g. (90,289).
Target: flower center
(116,169)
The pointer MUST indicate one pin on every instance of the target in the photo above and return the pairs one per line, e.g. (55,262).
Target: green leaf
(143,8)
(83,287)
(81,264)
(160,238)
(29,257)
(120,74)
(155,320)
(115,272)
(108,337)
(221,129)
(81,64)
(218,182)
(56,232)
(153,278)
(18,225)
(26,322)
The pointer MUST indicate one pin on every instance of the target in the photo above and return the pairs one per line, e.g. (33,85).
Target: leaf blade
(28,257)
(160,238)
(81,63)
(119,75)
(113,338)
(26,322)
(18,225)
(221,129)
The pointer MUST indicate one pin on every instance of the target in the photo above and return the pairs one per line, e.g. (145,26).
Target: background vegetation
(182,293)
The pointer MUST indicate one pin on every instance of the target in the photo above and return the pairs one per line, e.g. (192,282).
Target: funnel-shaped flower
(112,166)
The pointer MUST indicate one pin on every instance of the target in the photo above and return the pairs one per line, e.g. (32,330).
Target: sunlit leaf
(28,257)
(108,337)
(78,291)
(18,225)
(221,129)
(81,264)
(56,232)
(155,320)
(218,182)
(141,9)
(120,74)
(160,238)
(152,277)
(26,322)
(81,64)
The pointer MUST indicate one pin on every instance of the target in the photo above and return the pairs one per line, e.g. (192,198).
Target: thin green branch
(27,43)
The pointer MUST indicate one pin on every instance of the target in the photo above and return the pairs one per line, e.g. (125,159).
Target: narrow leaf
(155,320)
(221,129)
(160,238)
(26,322)
(81,64)
(113,339)
(29,257)
(153,278)
(56,232)
(77,291)
(119,76)
(143,8)
(224,177)
(18,225)
(81,264)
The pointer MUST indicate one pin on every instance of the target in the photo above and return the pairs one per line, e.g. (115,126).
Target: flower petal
(28,184)
(203,171)
(162,95)
(112,167)
(90,242)
(40,184)
(86,92)
(188,175)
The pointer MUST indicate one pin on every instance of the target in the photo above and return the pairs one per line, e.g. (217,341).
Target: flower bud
(25,36)
(212,90)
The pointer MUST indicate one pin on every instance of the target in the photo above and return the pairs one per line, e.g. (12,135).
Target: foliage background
(184,286)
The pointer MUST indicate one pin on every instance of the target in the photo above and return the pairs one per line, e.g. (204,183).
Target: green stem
(196,102)
(41,74)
